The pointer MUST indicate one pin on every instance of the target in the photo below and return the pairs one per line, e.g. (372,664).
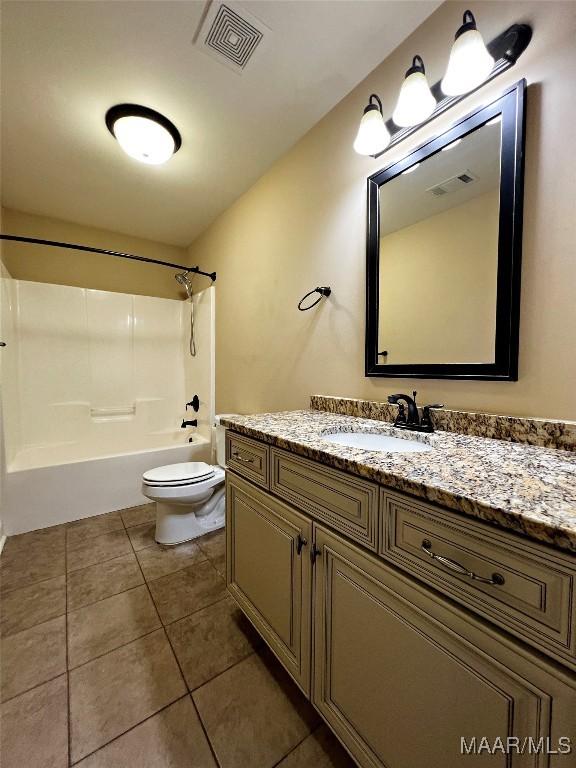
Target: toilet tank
(220,438)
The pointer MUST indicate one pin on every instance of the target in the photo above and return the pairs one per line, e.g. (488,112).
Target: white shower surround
(98,387)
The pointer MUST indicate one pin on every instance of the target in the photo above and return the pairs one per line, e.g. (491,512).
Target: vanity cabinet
(400,677)
(269,572)
(402,657)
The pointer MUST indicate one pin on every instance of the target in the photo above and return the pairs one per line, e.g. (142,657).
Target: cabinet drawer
(345,502)
(527,589)
(248,458)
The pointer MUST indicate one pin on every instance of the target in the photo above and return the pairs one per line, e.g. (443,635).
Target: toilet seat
(191,491)
(178,475)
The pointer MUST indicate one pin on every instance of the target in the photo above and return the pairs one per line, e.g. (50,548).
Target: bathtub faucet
(193,423)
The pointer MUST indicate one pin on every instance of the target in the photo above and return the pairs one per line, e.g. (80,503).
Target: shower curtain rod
(55,243)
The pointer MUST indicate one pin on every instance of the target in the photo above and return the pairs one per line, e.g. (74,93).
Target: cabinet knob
(300,542)
(314,553)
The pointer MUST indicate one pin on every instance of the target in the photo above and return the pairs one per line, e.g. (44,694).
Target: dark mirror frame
(512,106)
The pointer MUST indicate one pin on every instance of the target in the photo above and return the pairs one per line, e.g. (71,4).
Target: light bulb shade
(470,63)
(415,101)
(373,136)
(143,133)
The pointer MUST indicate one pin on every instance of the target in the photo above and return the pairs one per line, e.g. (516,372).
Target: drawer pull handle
(496,578)
(239,457)
(300,542)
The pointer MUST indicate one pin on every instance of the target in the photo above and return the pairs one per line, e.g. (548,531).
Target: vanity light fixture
(373,136)
(415,101)
(470,63)
(143,133)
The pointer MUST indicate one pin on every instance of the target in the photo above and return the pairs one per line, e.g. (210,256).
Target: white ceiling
(65,63)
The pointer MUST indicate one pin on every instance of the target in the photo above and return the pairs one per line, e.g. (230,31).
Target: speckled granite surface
(543,432)
(526,489)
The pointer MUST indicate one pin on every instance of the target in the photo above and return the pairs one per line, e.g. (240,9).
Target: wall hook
(324,291)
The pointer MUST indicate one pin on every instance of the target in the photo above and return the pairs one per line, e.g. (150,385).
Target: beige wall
(437,299)
(303,224)
(87,270)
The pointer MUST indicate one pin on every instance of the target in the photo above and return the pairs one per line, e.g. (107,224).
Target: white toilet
(189,497)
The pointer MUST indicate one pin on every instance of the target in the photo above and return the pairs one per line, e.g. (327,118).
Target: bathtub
(52,484)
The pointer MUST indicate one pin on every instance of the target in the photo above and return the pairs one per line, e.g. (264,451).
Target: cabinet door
(269,572)
(401,676)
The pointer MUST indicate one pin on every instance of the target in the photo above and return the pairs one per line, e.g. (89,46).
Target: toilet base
(178,523)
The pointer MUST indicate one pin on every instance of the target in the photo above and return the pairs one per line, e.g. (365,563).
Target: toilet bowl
(189,496)
(189,500)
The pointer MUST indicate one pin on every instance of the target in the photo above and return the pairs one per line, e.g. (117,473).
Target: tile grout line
(117,648)
(295,747)
(37,624)
(5,592)
(219,674)
(33,688)
(179,666)
(189,693)
(161,627)
(204,731)
(192,613)
(140,637)
(107,560)
(132,727)
(101,599)
(70,763)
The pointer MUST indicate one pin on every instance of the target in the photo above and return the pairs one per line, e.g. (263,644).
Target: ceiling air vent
(453,184)
(229,36)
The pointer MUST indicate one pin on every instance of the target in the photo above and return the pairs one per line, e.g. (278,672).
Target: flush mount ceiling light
(470,63)
(372,136)
(143,133)
(415,102)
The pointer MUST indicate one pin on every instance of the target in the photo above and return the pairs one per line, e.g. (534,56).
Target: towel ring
(324,291)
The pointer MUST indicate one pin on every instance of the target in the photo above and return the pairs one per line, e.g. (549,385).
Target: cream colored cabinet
(405,675)
(401,676)
(269,572)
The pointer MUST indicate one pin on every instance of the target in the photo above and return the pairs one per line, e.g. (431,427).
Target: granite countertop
(526,489)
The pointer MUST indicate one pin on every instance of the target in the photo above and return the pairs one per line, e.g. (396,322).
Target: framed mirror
(444,247)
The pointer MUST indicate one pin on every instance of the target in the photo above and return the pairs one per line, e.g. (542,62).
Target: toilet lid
(189,471)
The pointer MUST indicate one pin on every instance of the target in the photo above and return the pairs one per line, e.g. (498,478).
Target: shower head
(183,279)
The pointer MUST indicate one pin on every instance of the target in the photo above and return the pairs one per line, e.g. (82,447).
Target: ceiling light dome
(372,136)
(143,133)
(415,101)
(470,63)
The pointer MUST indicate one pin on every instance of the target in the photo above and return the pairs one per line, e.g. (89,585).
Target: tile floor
(117,652)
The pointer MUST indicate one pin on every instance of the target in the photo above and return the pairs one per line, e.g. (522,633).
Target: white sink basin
(375,442)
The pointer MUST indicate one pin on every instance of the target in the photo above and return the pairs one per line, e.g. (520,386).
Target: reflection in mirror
(438,254)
